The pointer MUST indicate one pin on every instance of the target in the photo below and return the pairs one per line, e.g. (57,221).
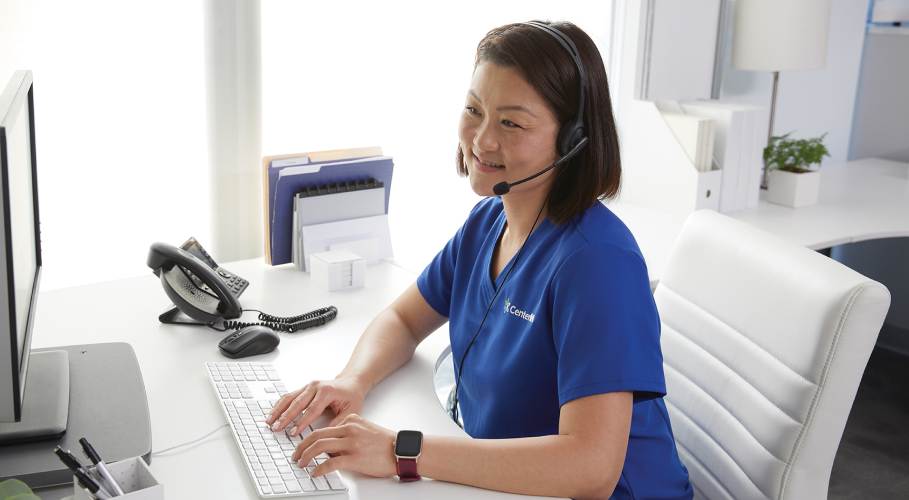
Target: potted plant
(786,162)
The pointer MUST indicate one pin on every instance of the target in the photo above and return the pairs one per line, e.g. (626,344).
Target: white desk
(858,200)
(183,405)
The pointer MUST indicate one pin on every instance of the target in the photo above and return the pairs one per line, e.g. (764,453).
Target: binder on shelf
(292,179)
(273,165)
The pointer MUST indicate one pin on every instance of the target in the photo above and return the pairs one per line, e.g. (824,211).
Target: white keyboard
(247,392)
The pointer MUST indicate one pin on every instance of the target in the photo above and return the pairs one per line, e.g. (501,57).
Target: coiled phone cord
(289,324)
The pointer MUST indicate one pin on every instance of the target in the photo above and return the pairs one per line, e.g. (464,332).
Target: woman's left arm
(584,460)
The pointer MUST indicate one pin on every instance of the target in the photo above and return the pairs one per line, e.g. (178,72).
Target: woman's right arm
(388,342)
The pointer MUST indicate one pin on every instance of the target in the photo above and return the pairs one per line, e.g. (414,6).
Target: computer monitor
(20,275)
(53,396)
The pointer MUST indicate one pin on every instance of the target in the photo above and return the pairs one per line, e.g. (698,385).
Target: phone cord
(289,325)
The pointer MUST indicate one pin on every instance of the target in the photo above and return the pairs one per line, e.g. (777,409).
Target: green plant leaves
(14,489)
(794,155)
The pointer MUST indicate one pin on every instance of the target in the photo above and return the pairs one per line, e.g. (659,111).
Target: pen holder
(134,477)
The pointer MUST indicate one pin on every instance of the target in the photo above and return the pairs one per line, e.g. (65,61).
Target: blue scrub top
(575,318)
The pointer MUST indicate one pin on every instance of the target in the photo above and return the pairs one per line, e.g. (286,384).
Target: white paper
(367,237)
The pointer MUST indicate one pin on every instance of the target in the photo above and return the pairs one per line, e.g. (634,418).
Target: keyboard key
(266,489)
(306,484)
(293,487)
(275,480)
(334,482)
(321,483)
(278,488)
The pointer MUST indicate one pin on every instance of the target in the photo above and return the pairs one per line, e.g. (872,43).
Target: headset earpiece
(570,136)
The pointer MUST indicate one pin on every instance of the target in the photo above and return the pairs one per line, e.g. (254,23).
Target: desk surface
(183,405)
(858,200)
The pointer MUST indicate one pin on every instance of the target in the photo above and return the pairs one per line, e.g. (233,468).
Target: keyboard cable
(191,442)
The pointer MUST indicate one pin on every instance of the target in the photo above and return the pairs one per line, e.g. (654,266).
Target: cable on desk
(191,442)
(288,325)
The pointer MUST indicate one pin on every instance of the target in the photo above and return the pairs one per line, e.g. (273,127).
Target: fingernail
(276,425)
(293,431)
(300,464)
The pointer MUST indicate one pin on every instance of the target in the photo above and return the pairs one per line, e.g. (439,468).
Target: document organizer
(325,218)
(656,170)
(291,180)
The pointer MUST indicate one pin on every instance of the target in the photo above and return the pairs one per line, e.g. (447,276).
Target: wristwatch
(408,446)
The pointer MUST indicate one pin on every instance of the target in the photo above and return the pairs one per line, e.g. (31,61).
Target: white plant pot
(793,190)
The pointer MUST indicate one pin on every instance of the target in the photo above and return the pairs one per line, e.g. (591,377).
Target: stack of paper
(696,135)
(741,135)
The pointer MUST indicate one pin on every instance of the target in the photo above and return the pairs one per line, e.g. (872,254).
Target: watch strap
(407,469)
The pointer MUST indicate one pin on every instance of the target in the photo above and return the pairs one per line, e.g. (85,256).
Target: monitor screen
(21,250)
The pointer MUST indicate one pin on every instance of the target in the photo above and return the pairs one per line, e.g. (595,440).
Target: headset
(572,138)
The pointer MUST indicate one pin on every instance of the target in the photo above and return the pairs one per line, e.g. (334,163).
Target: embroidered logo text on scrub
(510,309)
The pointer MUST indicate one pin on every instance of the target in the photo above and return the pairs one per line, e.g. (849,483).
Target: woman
(556,342)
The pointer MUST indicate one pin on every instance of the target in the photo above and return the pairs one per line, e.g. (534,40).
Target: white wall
(120,129)
(810,103)
(120,98)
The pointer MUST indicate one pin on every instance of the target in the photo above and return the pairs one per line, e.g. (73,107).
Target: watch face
(408,443)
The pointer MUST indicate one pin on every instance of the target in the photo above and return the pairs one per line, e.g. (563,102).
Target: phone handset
(192,286)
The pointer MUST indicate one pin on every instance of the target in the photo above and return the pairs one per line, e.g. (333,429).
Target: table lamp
(780,35)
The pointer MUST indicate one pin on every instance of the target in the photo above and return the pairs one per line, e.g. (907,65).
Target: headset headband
(574,131)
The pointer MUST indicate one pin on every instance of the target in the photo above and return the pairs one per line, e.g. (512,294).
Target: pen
(89,484)
(116,490)
(73,464)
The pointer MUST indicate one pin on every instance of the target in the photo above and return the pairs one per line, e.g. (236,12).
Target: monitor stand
(107,405)
(45,404)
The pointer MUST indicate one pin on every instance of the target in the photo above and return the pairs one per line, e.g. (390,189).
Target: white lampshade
(780,35)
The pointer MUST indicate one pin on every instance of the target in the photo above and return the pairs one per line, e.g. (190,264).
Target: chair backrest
(764,345)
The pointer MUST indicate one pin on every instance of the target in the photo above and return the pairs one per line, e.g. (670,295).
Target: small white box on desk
(134,477)
(338,270)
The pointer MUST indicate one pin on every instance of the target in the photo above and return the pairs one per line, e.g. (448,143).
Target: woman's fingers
(340,462)
(294,407)
(307,447)
(282,404)
(356,444)
(325,395)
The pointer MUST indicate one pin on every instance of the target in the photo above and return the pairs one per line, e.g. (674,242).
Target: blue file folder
(289,180)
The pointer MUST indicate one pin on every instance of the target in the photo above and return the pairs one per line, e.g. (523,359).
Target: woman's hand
(344,396)
(356,444)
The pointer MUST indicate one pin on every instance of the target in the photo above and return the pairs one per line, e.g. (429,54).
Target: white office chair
(764,345)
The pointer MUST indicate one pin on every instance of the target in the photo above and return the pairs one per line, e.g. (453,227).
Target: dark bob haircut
(596,172)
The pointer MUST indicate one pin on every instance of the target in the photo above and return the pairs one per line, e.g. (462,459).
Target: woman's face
(507,132)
